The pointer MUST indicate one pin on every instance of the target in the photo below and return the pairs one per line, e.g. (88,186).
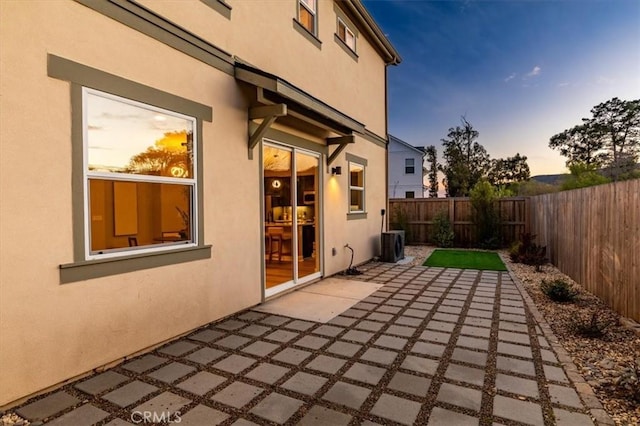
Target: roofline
(421,150)
(381,42)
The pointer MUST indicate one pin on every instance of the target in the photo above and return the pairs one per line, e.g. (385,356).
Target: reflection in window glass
(125,137)
(307,15)
(356,187)
(409,166)
(140,175)
(346,35)
(130,214)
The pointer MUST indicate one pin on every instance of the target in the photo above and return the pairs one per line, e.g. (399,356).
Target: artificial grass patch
(466,259)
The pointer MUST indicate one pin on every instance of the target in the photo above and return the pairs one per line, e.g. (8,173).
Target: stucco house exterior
(405,178)
(166,164)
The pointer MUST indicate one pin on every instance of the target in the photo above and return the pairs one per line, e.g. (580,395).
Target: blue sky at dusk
(519,70)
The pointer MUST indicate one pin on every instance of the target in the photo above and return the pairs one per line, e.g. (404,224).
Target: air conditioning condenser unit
(392,246)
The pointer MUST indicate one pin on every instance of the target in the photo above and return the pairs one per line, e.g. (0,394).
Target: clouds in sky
(492,62)
(534,72)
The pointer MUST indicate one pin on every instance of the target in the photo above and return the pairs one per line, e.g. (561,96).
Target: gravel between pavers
(599,361)
(409,292)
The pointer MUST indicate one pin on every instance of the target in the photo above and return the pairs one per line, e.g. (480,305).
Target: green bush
(400,221)
(485,215)
(558,290)
(527,252)
(442,230)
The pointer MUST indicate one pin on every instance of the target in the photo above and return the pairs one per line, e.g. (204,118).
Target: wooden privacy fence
(416,216)
(593,235)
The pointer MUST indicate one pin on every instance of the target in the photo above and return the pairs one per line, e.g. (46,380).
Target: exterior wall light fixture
(336,170)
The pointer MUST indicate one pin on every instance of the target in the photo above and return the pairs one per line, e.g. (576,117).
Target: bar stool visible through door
(277,237)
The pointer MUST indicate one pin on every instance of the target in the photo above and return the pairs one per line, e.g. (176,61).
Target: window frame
(314,13)
(407,193)
(412,167)
(79,75)
(128,177)
(362,188)
(347,29)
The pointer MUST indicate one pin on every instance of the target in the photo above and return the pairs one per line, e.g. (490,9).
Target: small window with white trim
(307,15)
(409,166)
(346,35)
(140,182)
(356,188)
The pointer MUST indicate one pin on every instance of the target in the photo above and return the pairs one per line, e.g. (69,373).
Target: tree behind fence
(416,216)
(593,235)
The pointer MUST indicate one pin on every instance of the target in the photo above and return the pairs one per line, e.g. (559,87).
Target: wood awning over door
(277,98)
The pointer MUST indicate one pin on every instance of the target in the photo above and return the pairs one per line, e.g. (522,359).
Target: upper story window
(307,15)
(140,181)
(356,188)
(346,35)
(409,166)
(410,194)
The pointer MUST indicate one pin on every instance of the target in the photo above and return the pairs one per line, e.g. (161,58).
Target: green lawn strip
(466,259)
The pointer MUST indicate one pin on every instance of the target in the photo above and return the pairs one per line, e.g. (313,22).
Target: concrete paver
(85,415)
(460,396)
(347,394)
(408,383)
(397,409)
(277,408)
(101,382)
(305,383)
(130,393)
(421,348)
(237,394)
(47,406)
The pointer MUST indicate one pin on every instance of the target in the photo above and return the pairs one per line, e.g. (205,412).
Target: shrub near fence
(593,235)
(416,216)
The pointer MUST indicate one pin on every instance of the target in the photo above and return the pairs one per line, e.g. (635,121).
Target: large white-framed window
(409,166)
(346,35)
(140,177)
(356,187)
(308,15)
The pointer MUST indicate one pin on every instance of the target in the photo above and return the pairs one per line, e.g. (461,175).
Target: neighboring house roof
(418,149)
(368,24)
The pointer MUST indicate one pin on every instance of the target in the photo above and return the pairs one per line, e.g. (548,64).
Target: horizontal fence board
(418,214)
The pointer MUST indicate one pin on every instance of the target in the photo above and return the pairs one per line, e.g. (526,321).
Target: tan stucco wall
(48,331)
(51,332)
(262,33)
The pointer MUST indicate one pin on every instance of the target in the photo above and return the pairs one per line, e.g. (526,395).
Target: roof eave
(369,25)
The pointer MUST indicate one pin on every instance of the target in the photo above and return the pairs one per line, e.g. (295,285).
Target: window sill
(219,6)
(89,269)
(356,215)
(307,34)
(345,47)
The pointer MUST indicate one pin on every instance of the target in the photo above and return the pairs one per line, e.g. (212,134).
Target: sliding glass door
(291,216)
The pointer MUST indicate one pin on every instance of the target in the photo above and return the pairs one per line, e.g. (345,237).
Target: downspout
(386,150)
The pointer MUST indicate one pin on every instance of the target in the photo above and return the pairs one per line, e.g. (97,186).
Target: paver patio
(432,346)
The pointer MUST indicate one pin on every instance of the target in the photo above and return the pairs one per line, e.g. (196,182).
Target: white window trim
(358,188)
(303,3)
(347,29)
(124,252)
(409,165)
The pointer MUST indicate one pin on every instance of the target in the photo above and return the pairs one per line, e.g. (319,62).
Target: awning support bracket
(269,114)
(342,142)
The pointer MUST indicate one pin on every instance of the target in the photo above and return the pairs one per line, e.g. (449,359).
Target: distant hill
(550,179)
